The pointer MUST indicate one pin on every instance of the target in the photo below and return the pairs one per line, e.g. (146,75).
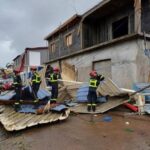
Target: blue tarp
(59,108)
(27,109)
(8,95)
(82,93)
(43,94)
(32,108)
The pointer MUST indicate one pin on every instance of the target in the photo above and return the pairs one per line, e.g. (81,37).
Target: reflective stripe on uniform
(17,103)
(37,78)
(53,99)
(89,104)
(93,83)
(93,104)
(52,78)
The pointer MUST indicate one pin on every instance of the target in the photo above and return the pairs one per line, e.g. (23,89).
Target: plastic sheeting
(139,86)
(8,95)
(43,94)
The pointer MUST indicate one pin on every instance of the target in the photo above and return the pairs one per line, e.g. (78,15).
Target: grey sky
(25,23)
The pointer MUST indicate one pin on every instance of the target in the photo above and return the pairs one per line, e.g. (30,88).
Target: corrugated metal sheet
(108,87)
(13,121)
(101,108)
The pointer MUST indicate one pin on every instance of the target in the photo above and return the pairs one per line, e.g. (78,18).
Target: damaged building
(112,37)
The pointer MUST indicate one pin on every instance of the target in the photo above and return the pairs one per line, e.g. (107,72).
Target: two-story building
(112,38)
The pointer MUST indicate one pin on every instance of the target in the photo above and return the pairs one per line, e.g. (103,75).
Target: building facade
(112,37)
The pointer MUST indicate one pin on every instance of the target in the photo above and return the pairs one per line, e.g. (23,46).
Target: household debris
(72,96)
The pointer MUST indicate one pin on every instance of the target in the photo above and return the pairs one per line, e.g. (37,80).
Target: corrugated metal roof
(13,121)
(108,87)
(101,108)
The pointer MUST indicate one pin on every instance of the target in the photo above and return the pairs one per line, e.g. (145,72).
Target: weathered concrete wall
(122,56)
(143,62)
(129,63)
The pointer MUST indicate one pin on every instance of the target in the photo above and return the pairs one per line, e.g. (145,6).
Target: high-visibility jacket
(36,78)
(93,83)
(54,78)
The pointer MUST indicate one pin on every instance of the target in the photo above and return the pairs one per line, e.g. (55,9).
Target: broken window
(120,28)
(68,39)
(53,47)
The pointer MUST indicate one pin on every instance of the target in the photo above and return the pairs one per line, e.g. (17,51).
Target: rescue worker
(93,84)
(35,81)
(54,84)
(49,71)
(17,84)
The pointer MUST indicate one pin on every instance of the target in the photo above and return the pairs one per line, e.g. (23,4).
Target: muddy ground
(83,132)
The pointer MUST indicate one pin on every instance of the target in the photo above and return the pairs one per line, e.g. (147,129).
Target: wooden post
(137,16)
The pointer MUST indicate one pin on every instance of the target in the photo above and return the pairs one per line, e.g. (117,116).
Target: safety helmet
(93,73)
(33,68)
(56,69)
(16,71)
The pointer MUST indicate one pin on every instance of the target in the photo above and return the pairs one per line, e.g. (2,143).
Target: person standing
(54,84)
(49,71)
(17,84)
(92,95)
(35,81)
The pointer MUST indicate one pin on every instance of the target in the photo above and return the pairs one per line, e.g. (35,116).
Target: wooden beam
(137,14)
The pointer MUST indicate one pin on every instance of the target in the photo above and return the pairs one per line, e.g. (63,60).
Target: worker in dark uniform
(17,84)
(54,84)
(36,81)
(92,95)
(49,71)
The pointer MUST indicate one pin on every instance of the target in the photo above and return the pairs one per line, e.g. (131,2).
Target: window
(120,28)
(68,39)
(52,47)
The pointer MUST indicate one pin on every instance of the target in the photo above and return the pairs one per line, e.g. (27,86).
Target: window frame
(68,39)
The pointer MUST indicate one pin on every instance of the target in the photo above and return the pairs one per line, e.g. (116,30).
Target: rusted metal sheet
(13,121)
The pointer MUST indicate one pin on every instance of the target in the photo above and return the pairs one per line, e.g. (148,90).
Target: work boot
(94,108)
(17,107)
(89,108)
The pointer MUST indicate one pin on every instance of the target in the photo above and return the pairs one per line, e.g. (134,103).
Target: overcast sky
(25,23)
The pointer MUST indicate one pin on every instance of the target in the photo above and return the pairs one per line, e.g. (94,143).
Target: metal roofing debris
(7,95)
(108,87)
(12,120)
(101,108)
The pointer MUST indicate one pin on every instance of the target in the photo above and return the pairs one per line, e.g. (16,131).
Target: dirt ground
(83,132)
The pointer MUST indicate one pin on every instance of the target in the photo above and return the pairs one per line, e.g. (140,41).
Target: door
(103,67)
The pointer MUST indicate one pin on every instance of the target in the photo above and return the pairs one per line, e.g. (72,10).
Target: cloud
(26,23)
(6,52)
